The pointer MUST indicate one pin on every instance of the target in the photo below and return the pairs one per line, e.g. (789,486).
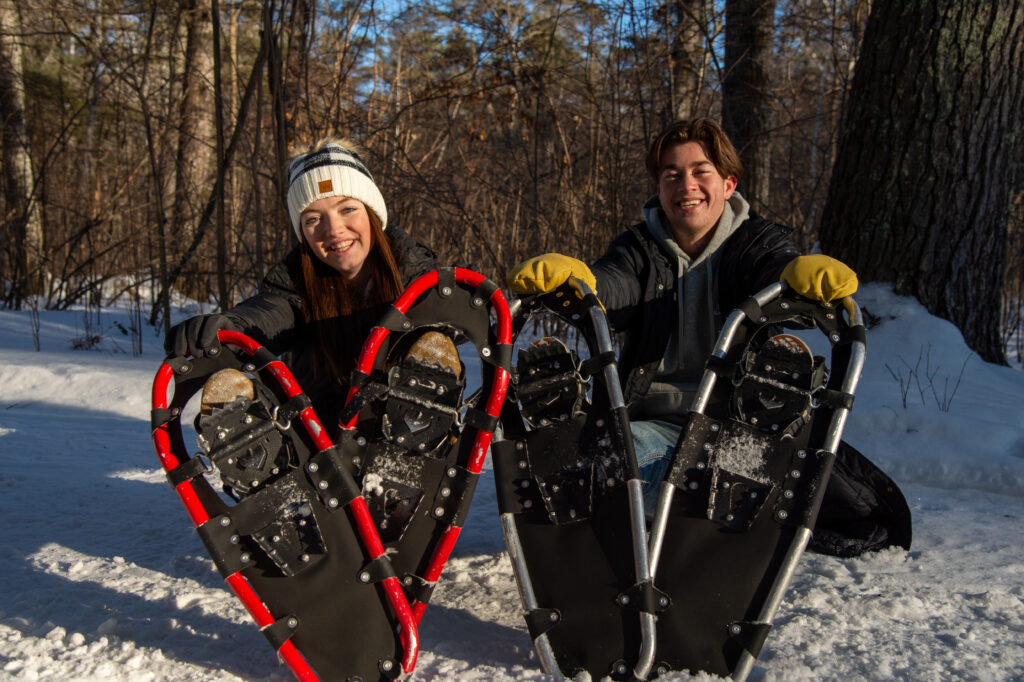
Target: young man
(669,281)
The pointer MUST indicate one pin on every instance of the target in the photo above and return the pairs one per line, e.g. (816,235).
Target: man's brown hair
(708,134)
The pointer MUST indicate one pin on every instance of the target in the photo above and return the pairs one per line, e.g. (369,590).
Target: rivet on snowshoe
(801,454)
(477,302)
(407,580)
(360,441)
(322,485)
(775,427)
(783,514)
(835,338)
(225,521)
(446,291)
(735,629)
(599,423)
(795,473)
(708,447)
(451,472)
(527,504)
(610,482)
(445,492)
(249,367)
(621,669)
(221,435)
(694,485)
(422,446)
(624,599)
(729,517)
(357,460)
(701,466)
(439,512)
(830,316)
(293,623)
(663,601)
(186,368)
(313,466)
(715,428)
(255,483)
(753,495)
(400,439)
(520,445)
(386,666)
(406,325)
(788,494)
(276,538)
(412,381)
(762,319)
(485,351)
(364,577)
(522,464)
(566,304)
(784,305)
(248,419)
(235,539)
(525,483)
(304,558)
(726,485)
(554,616)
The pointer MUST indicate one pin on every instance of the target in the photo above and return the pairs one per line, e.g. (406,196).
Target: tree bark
(928,158)
(746,92)
(22,231)
(688,57)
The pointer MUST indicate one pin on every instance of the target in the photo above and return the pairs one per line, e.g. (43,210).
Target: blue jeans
(654,442)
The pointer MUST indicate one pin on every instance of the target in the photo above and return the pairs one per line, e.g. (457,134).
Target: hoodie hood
(693,337)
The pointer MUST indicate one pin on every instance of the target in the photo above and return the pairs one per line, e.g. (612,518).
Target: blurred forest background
(144,142)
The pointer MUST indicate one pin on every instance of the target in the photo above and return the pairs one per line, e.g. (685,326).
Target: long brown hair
(340,312)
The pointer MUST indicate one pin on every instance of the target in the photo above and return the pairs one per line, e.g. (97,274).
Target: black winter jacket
(274,317)
(636,282)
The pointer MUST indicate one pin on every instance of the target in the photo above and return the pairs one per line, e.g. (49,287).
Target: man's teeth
(688,204)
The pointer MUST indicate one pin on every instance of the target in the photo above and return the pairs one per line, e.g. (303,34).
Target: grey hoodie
(693,336)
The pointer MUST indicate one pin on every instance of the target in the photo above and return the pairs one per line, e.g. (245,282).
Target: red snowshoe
(334,549)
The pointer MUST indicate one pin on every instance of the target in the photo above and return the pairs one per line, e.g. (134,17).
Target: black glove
(198,334)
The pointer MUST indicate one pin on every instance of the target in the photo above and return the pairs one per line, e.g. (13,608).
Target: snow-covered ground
(102,577)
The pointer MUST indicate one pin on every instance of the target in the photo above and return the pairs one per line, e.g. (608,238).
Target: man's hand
(820,278)
(543,274)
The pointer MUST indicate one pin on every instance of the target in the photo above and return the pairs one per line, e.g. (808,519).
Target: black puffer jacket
(274,318)
(636,282)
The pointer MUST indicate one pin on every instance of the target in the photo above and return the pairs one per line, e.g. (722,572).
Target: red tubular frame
(492,407)
(364,524)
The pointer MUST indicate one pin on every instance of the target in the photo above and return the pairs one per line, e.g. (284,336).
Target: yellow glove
(542,274)
(820,278)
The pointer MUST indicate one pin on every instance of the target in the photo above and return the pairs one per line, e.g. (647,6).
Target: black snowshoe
(334,549)
(736,509)
(570,499)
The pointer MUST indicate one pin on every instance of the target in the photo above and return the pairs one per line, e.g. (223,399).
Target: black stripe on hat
(328,157)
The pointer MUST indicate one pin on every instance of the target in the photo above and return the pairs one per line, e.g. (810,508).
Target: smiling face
(338,232)
(692,193)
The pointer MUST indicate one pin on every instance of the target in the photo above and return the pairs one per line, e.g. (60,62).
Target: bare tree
(21,237)
(747,97)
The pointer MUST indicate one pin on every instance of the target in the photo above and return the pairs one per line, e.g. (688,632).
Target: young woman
(316,306)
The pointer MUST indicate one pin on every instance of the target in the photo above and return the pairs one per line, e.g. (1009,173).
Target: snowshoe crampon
(570,499)
(736,509)
(332,561)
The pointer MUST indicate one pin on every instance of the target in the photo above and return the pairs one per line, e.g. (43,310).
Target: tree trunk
(928,154)
(687,56)
(21,235)
(746,91)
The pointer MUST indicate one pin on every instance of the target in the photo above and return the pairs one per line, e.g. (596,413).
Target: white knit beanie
(331,171)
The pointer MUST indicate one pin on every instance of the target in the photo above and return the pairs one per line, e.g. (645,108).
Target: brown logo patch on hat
(325,186)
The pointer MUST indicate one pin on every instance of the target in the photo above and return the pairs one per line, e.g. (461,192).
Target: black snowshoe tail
(288,537)
(738,504)
(570,500)
(415,445)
